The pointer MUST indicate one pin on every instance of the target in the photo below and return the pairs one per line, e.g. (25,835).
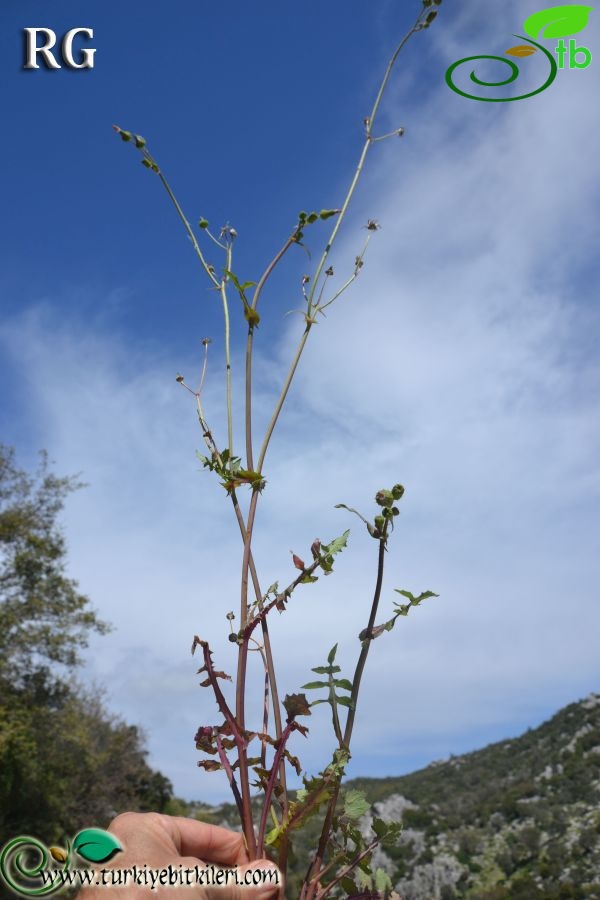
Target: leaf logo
(557,21)
(96,845)
(521,50)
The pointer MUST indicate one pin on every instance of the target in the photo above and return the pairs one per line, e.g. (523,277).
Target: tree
(44,619)
(65,762)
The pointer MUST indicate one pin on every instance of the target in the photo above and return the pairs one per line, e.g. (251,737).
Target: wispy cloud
(463,364)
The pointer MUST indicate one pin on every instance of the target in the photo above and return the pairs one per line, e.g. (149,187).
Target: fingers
(208,842)
(259,880)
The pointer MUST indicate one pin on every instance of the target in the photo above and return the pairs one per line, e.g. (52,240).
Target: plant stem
(346,870)
(240,742)
(278,759)
(230,777)
(261,283)
(188,228)
(223,290)
(334,233)
(314,872)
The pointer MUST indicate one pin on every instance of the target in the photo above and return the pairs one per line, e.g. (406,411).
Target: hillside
(519,819)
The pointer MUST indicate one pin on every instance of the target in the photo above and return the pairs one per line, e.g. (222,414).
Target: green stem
(249,343)
(309,889)
(188,228)
(223,290)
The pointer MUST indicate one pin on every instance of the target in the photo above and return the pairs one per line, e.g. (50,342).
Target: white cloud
(462,364)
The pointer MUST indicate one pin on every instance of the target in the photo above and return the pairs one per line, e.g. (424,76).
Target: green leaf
(557,21)
(314,685)
(356,804)
(380,828)
(394,830)
(308,579)
(349,886)
(338,544)
(326,670)
(343,683)
(383,882)
(327,213)
(345,701)
(96,845)
(416,600)
(331,654)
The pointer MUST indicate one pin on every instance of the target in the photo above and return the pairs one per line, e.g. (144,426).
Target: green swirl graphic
(17,866)
(512,77)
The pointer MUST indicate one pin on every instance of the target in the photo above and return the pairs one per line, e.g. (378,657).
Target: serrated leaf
(348,885)
(314,685)
(393,834)
(296,705)
(416,600)
(343,683)
(356,804)
(338,544)
(364,877)
(383,882)
(345,701)
(96,845)
(557,21)
(521,50)
(331,654)
(379,827)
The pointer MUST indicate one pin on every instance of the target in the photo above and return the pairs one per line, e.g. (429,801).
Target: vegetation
(65,762)
(518,820)
(256,755)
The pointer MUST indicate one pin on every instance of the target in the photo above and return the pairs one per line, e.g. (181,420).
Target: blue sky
(463,363)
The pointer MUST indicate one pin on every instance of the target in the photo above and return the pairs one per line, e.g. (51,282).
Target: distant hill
(519,819)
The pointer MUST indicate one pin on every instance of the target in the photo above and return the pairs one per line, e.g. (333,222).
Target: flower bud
(384,498)
(397,491)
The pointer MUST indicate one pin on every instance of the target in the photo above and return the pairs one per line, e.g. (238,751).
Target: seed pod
(384,498)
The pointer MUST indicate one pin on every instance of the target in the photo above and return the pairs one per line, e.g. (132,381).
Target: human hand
(152,841)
